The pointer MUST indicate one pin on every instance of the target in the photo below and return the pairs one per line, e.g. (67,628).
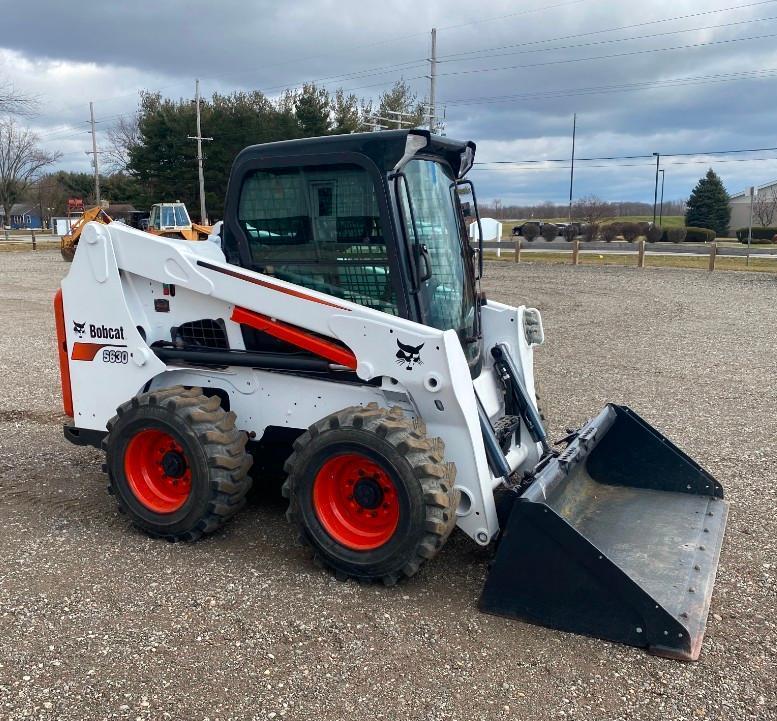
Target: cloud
(554,62)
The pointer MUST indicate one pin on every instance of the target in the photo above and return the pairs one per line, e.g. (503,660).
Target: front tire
(371,494)
(176,463)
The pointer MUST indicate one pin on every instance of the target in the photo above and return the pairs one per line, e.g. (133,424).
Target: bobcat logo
(79,328)
(409,355)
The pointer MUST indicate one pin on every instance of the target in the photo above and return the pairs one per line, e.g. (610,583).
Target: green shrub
(530,231)
(674,235)
(630,231)
(549,231)
(654,233)
(611,231)
(699,235)
(760,232)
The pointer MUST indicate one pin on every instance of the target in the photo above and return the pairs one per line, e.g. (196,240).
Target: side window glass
(319,227)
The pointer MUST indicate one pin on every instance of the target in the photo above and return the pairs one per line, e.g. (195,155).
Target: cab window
(319,227)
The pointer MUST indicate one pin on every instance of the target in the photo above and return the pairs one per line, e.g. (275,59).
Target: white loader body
(127,289)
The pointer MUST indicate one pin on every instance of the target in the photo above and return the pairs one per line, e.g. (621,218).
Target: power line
(757,74)
(565,61)
(615,166)
(628,157)
(632,26)
(490,54)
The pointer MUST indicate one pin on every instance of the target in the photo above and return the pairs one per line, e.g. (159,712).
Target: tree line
(548,210)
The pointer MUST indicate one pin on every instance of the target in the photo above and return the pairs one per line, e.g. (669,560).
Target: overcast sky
(640,77)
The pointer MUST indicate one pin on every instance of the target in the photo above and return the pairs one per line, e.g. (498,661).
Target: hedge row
(760,232)
(699,235)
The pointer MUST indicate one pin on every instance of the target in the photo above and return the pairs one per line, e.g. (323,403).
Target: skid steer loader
(337,314)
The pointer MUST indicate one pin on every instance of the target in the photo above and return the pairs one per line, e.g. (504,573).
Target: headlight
(532,326)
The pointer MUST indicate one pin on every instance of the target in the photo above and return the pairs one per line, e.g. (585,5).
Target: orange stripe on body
(64,366)
(295,336)
(87,351)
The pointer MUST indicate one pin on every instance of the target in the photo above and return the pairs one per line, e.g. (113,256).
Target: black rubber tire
(424,483)
(214,449)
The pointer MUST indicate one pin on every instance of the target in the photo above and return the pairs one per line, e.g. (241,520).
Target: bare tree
(765,206)
(592,209)
(123,136)
(50,196)
(14,102)
(21,162)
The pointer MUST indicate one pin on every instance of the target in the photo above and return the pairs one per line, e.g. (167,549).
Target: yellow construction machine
(69,241)
(171,220)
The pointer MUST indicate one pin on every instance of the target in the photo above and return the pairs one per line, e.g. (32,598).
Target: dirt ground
(98,621)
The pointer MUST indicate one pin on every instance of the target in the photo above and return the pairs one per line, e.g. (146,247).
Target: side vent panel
(205,333)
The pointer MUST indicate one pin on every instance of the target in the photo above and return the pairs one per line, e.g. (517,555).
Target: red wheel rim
(356,501)
(158,471)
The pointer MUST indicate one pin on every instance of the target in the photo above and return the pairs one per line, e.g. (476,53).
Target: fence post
(5,230)
(713,253)
(32,230)
(518,250)
(575,252)
(641,254)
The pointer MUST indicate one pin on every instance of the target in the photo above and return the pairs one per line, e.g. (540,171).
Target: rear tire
(176,463)
(371,494)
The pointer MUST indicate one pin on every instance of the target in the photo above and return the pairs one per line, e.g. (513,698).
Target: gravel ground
(98,621)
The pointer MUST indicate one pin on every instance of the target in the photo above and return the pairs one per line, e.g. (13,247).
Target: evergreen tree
(401,99)
(312,108)
(708,205)
(345,111)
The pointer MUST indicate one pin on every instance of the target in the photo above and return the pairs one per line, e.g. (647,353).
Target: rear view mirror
(466,209)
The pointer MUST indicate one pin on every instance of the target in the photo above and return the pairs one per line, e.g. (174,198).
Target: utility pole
(94,157)
(433,82)
(661,207)
(572,168)
(199,139)
(655,192)
(750,225)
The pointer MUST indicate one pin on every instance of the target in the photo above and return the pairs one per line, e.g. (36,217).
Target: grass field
(763,265)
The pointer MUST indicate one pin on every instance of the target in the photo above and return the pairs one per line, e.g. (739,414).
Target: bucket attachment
(618,537)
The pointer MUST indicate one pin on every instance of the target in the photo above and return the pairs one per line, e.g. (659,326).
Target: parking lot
(98,621)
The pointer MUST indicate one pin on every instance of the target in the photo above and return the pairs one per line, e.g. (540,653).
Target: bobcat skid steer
(336,313)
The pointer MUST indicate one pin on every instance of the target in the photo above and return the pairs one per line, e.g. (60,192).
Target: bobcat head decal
(79,328)
(409,355)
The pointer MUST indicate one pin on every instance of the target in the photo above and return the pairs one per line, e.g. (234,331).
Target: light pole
(655,192)
(661,206)
(572,167)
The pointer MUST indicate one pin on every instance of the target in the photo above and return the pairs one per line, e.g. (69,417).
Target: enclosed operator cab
(373,220)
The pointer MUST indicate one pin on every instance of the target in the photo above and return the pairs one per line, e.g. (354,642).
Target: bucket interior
(620,538)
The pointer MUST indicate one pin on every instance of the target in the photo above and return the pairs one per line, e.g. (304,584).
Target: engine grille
(205,333)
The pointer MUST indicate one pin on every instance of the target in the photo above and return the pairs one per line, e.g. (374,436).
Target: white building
(492,229)
(740,206)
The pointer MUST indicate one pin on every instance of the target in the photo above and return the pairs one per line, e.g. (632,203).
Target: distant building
(23,215)
(740,205)
(492,229)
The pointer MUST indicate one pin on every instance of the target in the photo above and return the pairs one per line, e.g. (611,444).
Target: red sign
(75,205)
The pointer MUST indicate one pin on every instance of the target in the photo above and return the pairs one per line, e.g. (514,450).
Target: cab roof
(385,148)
